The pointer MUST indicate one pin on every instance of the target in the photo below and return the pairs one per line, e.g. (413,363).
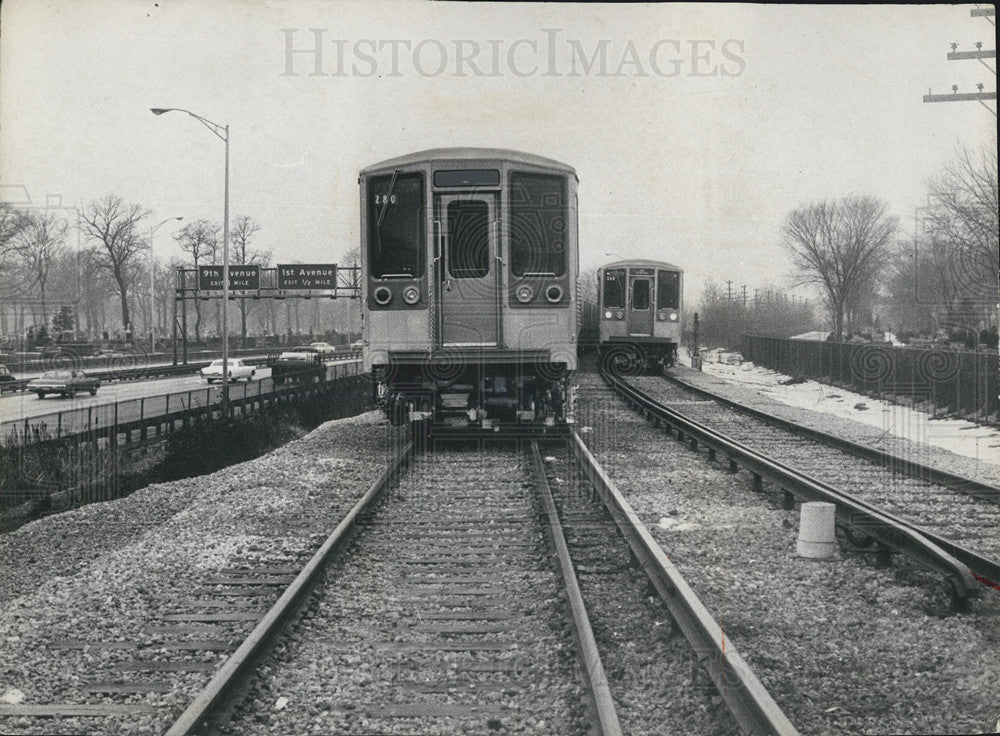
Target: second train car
(640,315)
(469,266)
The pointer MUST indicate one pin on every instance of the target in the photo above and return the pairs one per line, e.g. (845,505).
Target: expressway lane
(126,401)
(17,407)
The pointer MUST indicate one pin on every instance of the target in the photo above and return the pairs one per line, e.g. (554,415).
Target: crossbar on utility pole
(960,97)
(978,54)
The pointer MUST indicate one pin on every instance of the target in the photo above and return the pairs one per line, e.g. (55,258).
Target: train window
(467,178)
(614,288)
(640,294)
(668,289)
(468,239)
(538,225)
(396,241)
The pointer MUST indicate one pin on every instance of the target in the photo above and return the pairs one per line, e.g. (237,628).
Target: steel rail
(983,569)
(215,696)
(597,681)
(751,705)
(894,533)
(895,463)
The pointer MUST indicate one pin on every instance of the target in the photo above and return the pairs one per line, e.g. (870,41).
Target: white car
(301,353)
(237,370)
(323,348)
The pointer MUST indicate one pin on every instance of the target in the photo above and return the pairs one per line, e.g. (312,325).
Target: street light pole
(152,302)
(225,283)
(222,132)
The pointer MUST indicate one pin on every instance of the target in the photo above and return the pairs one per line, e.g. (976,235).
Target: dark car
(65,382)
(6,375)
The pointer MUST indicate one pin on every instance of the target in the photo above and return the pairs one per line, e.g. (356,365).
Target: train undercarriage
(638,357)
(481,395)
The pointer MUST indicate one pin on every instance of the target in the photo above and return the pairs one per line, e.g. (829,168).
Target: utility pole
(979,54)
(729,290)
(744,294)
(695,353)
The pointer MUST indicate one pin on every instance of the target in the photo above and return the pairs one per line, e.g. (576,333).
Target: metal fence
(163,408)
(956,381)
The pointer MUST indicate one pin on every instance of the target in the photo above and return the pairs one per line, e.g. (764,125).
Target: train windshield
(668,289)
(396,225)
(538,225)
(614,288)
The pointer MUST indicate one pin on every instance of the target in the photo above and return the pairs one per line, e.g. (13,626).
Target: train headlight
(554,293)
(382,295)
(524,293)
(608,314)
(673,316)
(619,314)
(411,295)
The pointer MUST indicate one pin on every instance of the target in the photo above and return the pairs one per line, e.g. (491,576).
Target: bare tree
(36,248)
(241,232)
(841,245)
(963,216)
(200,240)
(116,225)
(12,222)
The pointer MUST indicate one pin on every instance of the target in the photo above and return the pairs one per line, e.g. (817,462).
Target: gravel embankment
(844,648)
(443,616)
(970,521)
(881,439)
(109,573)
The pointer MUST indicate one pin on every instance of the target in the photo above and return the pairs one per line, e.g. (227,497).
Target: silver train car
(469,266)
(640,315)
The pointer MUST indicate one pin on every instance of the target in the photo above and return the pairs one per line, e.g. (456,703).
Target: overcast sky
(700,128)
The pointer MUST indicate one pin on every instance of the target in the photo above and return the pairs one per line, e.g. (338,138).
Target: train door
(467,273)
(640,313)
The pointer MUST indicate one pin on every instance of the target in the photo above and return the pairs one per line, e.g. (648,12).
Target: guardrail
(158,412)
(954,380)
(123,360)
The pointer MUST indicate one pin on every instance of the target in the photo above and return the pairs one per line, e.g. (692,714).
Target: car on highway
(5,375)
(237,369)
(323,348)
(66,382)
(301,353)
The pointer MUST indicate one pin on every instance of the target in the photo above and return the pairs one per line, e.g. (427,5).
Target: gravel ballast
(843,647)
(85,591)
(443,616)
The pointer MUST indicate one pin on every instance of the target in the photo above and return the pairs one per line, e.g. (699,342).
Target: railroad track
(446,614)
(942,521)
(442,610)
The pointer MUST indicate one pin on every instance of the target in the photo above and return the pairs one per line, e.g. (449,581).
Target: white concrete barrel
(817,537)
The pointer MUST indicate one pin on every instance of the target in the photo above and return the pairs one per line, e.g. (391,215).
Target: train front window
(539,230)
(614,288)
(668,289)
(640,294)
(468,239)
(396,225)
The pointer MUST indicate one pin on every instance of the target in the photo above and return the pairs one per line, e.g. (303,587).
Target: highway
(134,398)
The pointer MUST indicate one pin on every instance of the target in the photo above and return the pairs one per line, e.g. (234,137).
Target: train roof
(469,154)
(642,262)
